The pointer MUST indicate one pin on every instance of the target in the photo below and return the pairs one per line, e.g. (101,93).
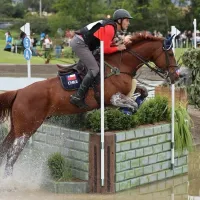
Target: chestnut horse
(30,106)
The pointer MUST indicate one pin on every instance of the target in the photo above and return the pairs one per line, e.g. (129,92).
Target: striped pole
(172,139)
(195,33)
(175,31)
(102,104)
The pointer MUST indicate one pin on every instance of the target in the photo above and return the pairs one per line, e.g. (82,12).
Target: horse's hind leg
(13,153)
(6,144)
(27,116)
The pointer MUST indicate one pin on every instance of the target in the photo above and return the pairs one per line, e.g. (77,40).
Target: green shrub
(59,168)
(116,120)
(153,110)
(134,120)
(93,120)
(191,59)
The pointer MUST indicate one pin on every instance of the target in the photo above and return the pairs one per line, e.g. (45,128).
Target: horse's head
(159,51)
(164,59)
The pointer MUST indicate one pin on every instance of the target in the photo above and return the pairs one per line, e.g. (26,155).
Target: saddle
(71,75)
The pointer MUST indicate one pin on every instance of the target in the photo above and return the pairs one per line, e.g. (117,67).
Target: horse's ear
(168,43)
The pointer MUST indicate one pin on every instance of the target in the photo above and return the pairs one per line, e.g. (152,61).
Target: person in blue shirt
(42,37)
(8,42)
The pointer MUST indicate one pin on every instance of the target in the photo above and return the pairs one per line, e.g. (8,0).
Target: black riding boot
(78,98)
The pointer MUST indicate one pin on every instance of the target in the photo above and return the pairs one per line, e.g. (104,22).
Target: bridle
(165,74)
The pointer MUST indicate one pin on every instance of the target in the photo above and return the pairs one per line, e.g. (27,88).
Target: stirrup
(78,102)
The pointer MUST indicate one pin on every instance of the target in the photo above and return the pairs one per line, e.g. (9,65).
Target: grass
(15,58)
(179,52)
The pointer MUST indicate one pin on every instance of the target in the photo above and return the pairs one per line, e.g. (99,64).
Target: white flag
(175,31)
(26,29)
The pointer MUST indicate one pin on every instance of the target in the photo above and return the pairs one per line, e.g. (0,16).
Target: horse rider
(88,39)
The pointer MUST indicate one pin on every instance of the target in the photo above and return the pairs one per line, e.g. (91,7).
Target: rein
(158,71)
(116,71)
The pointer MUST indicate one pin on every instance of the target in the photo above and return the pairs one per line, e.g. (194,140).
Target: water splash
(29,172)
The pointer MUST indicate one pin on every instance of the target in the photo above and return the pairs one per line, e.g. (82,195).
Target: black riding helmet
(121,14)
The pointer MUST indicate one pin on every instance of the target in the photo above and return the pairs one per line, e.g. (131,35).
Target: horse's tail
(6,102)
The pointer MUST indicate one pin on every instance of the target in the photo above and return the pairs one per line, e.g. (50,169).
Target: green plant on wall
(59,169)
(182,130)
(152,111)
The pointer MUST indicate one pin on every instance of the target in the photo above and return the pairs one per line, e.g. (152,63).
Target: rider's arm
(107,34)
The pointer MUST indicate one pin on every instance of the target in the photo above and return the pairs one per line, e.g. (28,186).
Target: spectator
(69,34)
(189,36)
(168,34)
(198,37)
(22,36)
(47,47)
(183,38)
(58,42)
(33,44)
(8,46)
(6,35)
(42,37)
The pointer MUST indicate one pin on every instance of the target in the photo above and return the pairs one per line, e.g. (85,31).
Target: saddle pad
(70,81)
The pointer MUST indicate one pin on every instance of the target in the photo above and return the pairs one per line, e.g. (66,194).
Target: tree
(18,11)
(84,11)
(163,14)
(6,8)
(34,5)
(195,10)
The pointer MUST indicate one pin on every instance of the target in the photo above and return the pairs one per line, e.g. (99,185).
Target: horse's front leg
(121,100)
(13,153)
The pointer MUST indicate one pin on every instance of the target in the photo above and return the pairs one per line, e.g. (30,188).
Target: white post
(172,139)
(40,8)
(28,61)
(172,193)
(26,30)
(175,31)
(102,110)
(173,40)
(29,68)
(195,33)
(15,48)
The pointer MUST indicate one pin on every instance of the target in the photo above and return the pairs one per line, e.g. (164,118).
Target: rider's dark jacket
(96,31)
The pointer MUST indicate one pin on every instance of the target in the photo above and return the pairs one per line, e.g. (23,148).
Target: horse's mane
(144,35)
